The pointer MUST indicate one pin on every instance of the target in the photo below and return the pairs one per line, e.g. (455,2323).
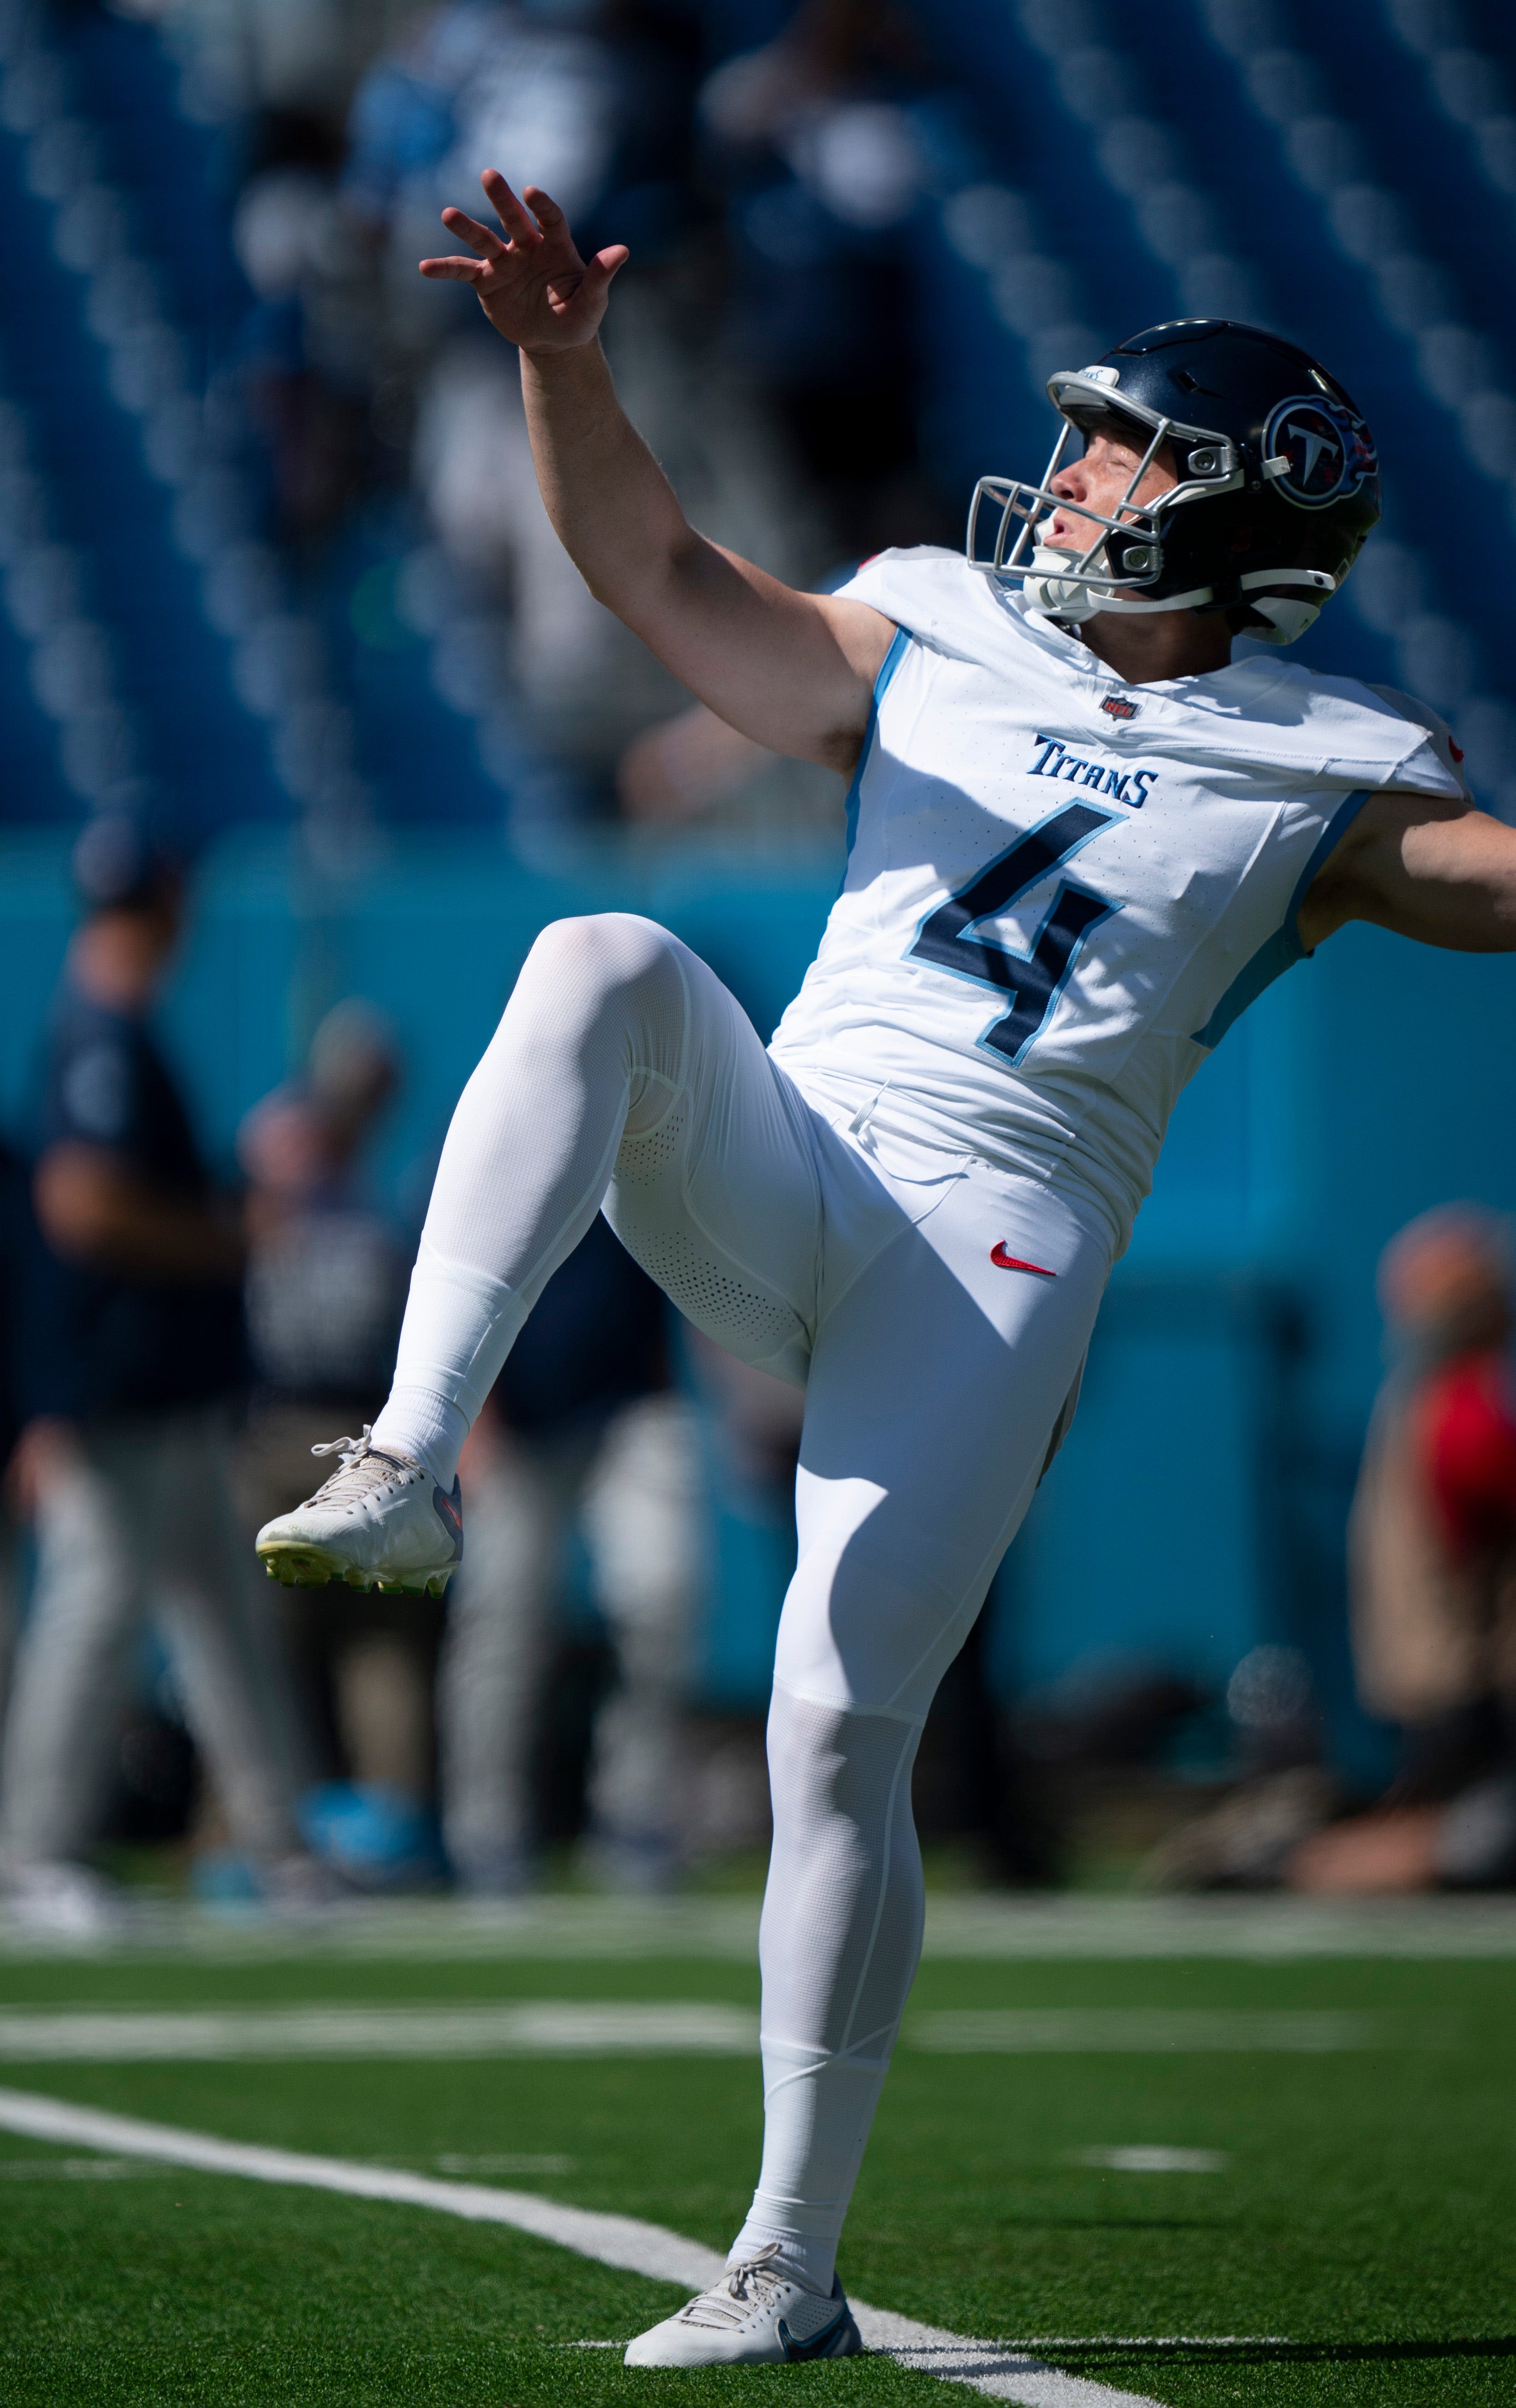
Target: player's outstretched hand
(533,287)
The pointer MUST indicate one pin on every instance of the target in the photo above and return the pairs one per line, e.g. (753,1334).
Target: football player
(1081,838)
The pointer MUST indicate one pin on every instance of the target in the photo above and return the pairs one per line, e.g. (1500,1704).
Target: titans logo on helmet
(1326,452)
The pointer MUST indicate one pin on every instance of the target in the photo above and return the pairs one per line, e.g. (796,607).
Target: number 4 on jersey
(1033,981)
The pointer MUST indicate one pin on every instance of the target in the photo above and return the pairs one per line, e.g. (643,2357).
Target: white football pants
(141,1526)
(862,1265)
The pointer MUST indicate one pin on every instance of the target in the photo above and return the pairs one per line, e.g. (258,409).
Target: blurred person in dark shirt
(584,1431)
(1433,1569)
(16,1250)
(134,1349)
(325,1289)
(821,146)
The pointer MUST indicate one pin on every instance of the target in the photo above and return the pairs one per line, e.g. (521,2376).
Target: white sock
(813,2265)
(818,2110)
(840,1938)
(429,1428)
(460,1325)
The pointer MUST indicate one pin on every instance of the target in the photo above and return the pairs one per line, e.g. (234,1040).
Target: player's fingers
(543,207)
(605,265)
(482,238)
(517,220)
(459,271)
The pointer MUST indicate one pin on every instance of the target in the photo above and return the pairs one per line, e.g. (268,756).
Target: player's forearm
(97,1214)
(613,509)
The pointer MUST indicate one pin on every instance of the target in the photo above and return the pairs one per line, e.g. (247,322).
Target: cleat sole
(297,1564)
(303,1567)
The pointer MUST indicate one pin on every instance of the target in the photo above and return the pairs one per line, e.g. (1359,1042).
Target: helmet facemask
(1135,563)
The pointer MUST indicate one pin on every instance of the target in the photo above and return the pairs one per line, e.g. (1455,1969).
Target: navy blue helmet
(1279,484)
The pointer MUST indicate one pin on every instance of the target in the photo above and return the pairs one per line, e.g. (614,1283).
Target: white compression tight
(856,1262)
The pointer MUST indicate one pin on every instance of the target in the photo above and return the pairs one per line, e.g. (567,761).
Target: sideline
(620,2240)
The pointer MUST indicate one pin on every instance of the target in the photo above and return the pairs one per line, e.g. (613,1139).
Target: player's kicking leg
(620,1058)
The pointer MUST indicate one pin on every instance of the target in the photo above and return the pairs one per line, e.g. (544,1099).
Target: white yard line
(448,2028)
(622,2240)
(441,2027)
(1122,2031)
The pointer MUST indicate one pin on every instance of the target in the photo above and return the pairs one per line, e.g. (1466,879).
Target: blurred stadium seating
(1069,175)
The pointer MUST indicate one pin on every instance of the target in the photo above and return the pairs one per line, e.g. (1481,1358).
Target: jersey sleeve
(929,591)
(1436,767)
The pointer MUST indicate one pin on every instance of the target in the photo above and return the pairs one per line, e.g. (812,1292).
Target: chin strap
(1074,600)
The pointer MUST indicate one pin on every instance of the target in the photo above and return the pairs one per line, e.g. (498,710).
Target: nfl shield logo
(1117,707)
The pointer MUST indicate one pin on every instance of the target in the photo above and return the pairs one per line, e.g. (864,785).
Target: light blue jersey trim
(887,667)
(1283,948)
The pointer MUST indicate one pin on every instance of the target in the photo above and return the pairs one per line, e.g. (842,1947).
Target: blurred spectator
(306,356)
(584,1435)
(825,158)
(1285,1792)
(1433,1569)
(589,101)
(251,54)
(594,103)
(15,1244)
(137,1351)
(326,1291)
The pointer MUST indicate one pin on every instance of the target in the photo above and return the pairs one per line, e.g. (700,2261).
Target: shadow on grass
(1115,2222)
(1273,2353)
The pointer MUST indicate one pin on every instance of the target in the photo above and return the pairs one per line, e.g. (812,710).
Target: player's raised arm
(1433,868)
(793,670)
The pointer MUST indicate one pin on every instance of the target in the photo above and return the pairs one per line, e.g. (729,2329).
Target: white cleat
(381,1520)
(755,2315)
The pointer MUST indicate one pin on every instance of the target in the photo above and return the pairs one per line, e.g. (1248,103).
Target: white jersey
(1061,890)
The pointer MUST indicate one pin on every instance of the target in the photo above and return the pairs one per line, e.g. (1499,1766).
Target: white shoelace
(363,1469)
(751,2284)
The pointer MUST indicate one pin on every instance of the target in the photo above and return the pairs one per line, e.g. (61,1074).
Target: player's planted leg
(840,1937)
(900,1527)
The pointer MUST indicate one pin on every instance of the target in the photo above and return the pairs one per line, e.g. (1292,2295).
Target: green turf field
(1358,2233)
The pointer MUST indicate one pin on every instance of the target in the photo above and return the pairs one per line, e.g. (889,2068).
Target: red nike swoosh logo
(1003,1262)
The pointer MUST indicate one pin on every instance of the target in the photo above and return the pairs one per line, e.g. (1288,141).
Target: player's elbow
(645,583)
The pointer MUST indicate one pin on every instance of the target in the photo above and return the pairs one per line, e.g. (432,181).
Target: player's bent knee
(600,956)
